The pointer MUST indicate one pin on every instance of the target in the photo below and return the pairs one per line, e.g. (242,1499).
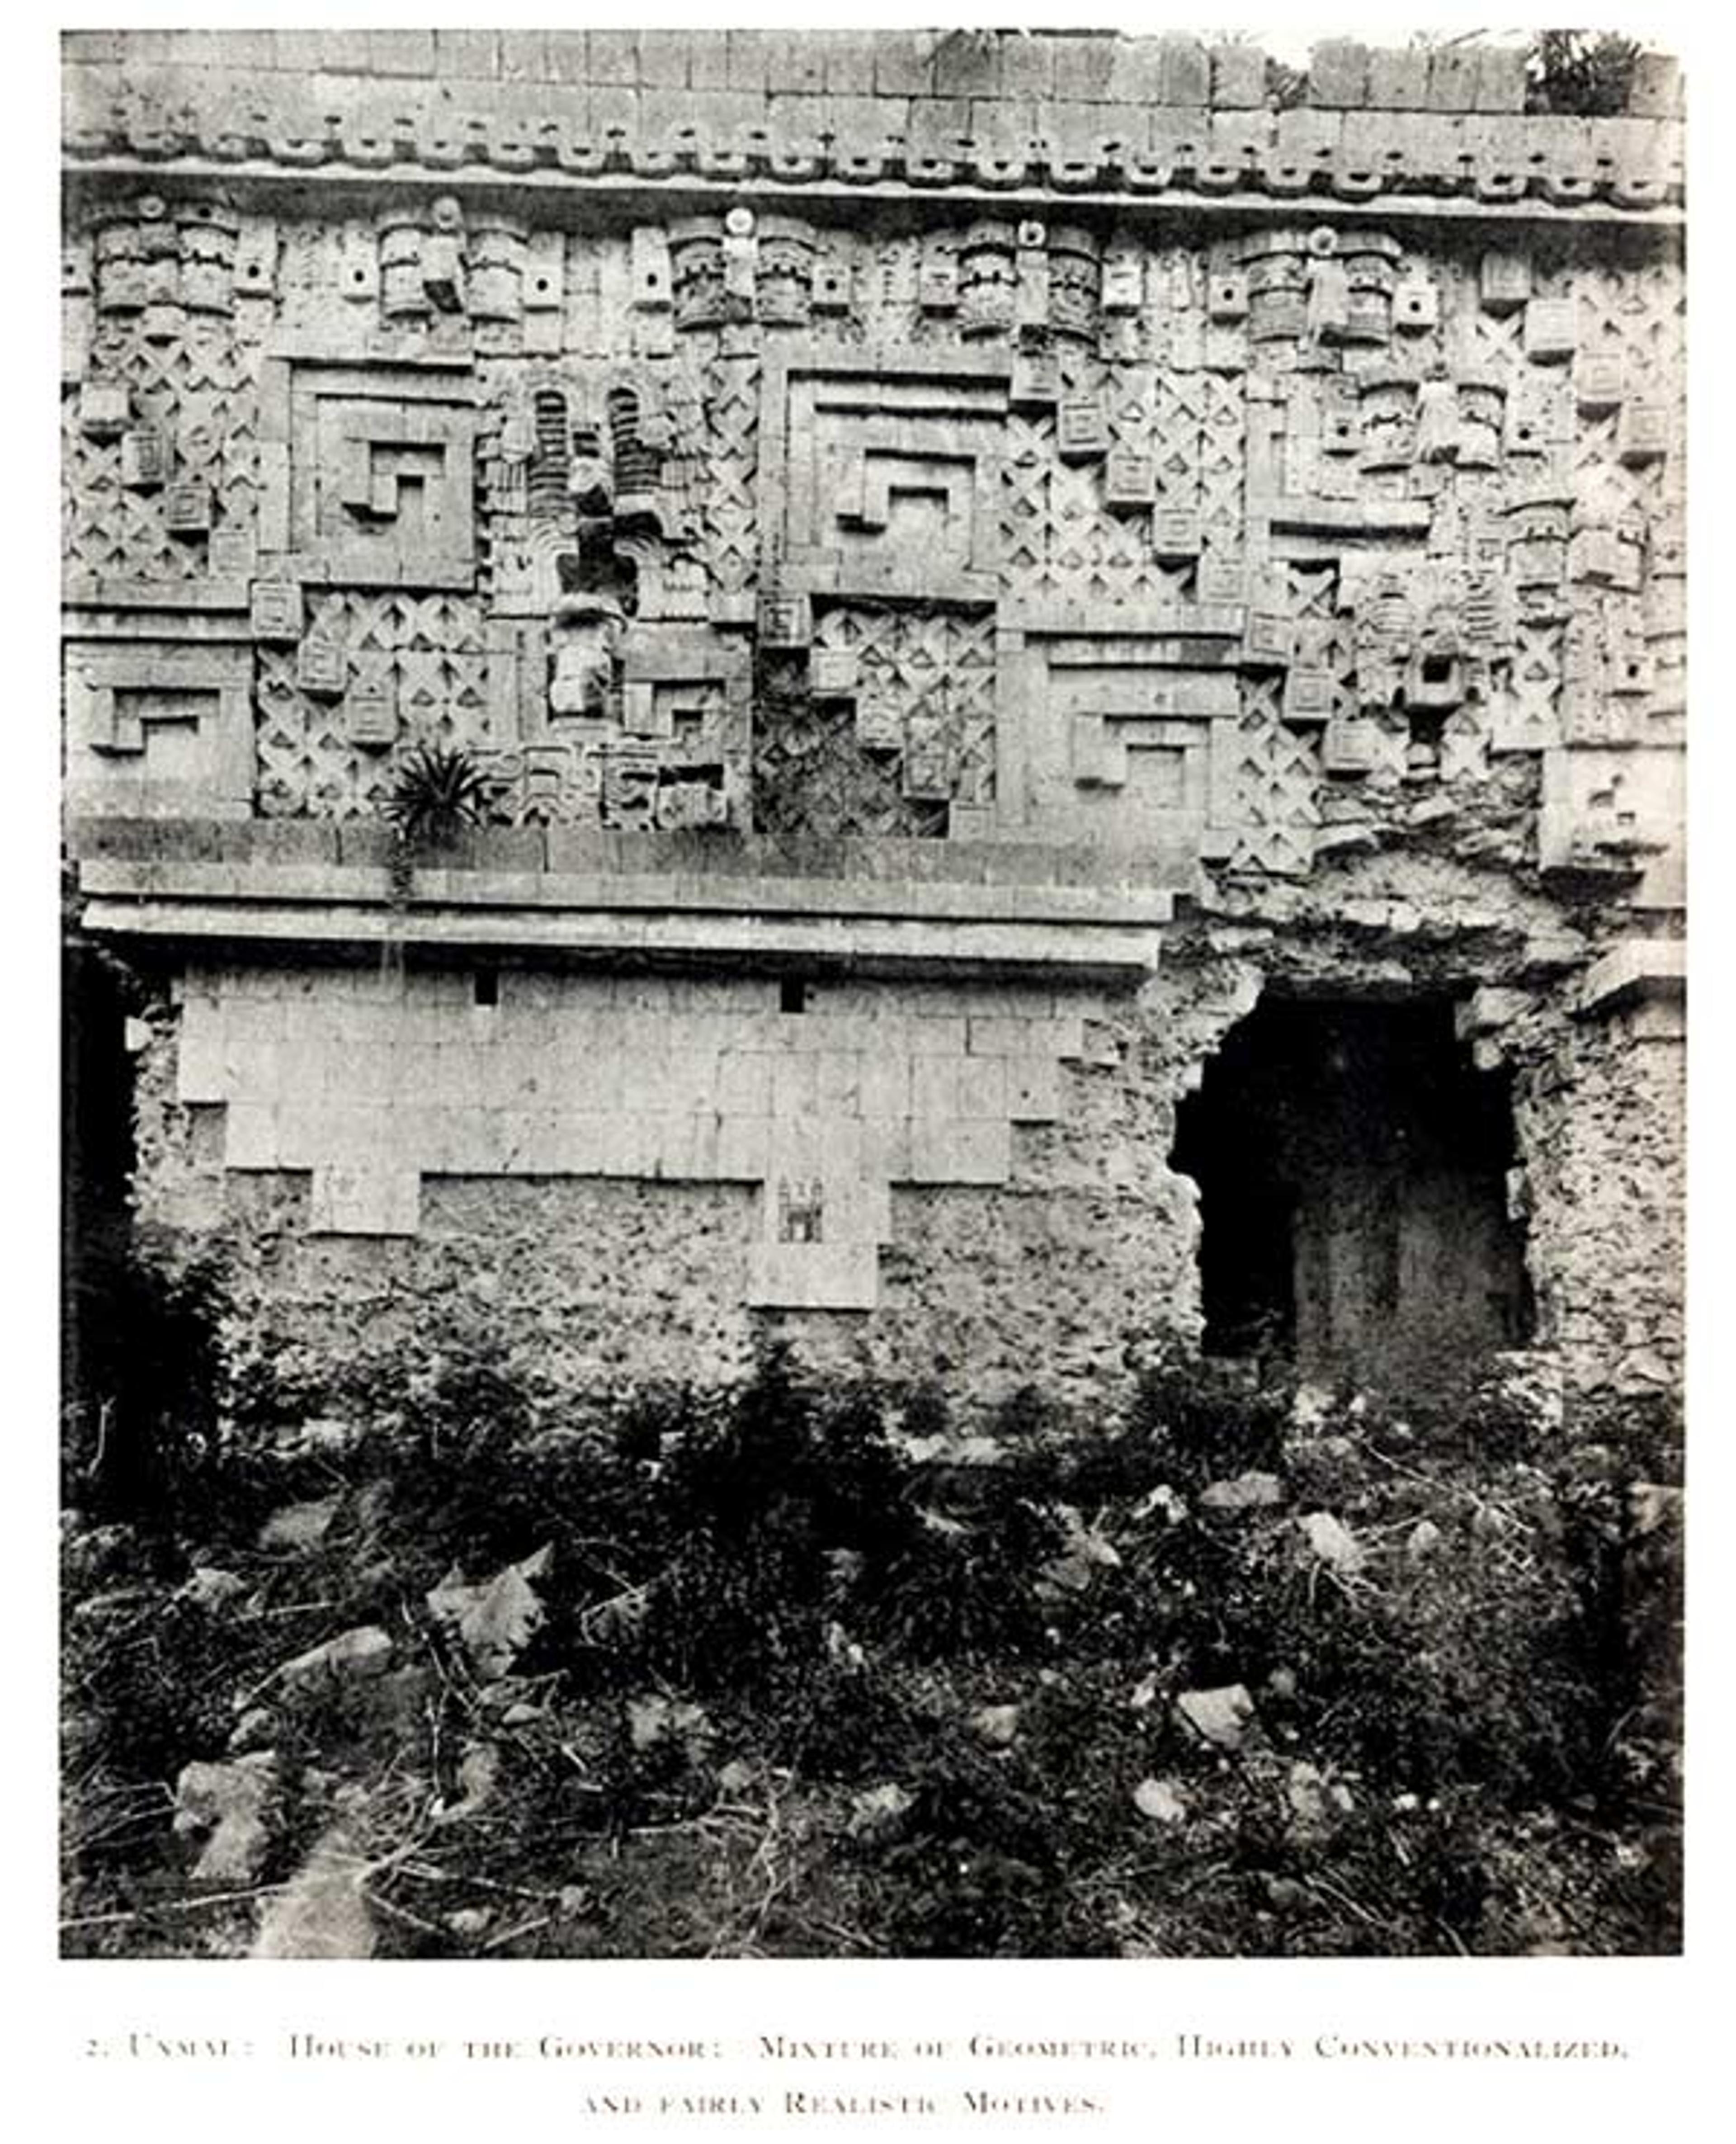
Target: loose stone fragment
(1158,1800)
(231,1805)
(1247,1492)
(1223,1717)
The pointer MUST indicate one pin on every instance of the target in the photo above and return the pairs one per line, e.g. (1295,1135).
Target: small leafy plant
(439,790)
(1585,72)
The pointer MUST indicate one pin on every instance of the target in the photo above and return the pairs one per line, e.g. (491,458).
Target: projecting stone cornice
(852,116)
(887,905)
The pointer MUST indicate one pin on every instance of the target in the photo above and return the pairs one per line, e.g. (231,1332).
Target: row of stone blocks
(431,995)
(671,1146)
(837,1084)
(1102,68)
(697,1025)
(939,1067)
(726,136)
(581,852)
(840,1272)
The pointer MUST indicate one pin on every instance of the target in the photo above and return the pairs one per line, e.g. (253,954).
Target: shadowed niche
(1352,1170)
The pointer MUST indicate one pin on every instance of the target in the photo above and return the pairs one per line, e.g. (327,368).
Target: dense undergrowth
(779,1672)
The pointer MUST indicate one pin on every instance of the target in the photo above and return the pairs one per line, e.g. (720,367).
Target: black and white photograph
(872,960)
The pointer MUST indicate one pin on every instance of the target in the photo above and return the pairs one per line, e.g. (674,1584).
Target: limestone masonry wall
(950,563)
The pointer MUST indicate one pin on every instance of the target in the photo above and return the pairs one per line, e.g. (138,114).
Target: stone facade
(959,563)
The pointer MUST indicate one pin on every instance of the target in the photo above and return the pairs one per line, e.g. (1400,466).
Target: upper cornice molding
(886,114)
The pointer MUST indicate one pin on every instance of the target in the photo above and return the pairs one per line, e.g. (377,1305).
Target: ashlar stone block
(1129,481)
(145,458)
(1416,305)
(1600,384)
(105,409)
(370,712)
(187,508)
(1504,281)
(1227,295)
(359,1200)
(1032,1089)
(1645,433)
(1551,331)
(1081,430)
(319,666)
(960,1151)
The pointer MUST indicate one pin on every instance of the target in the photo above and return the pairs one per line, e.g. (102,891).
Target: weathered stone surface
(1331,1543)
(358,1656)
(1422,1540)
(958,597)
(207,1586)
(1224,1717)
(300,1526)
(1159,1801)
(320,1912)
(1245,1492)
(232,1807)
(1314,1803)
(479,1772)
(1087,1552)
(1530,1387)
(996,1725)
(255,1728)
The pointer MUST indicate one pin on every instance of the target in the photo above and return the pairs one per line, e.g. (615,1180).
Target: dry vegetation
(801,1672)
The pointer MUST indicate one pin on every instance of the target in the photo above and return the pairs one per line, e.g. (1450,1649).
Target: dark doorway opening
(97,1159)
(1353,1168)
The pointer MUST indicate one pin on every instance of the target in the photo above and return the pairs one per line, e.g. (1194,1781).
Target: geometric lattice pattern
(197,393)
(1528,718)
(812,776)
(1222,460)
(729,535)
(426,651)
(933,678)
(744,521)
(1059,541)
(1276,781)
(917,736)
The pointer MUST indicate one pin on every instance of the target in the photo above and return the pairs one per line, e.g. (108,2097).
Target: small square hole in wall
(793,995)
(485,982)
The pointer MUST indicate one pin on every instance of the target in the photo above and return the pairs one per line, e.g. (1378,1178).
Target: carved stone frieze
(742,517)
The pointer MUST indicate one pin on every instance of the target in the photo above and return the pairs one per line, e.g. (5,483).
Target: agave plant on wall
(437,792)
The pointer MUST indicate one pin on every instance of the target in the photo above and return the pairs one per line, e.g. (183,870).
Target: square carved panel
(159,730)
(880,474)
(368,473)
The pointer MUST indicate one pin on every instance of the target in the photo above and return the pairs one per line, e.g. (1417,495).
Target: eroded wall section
(950,564)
